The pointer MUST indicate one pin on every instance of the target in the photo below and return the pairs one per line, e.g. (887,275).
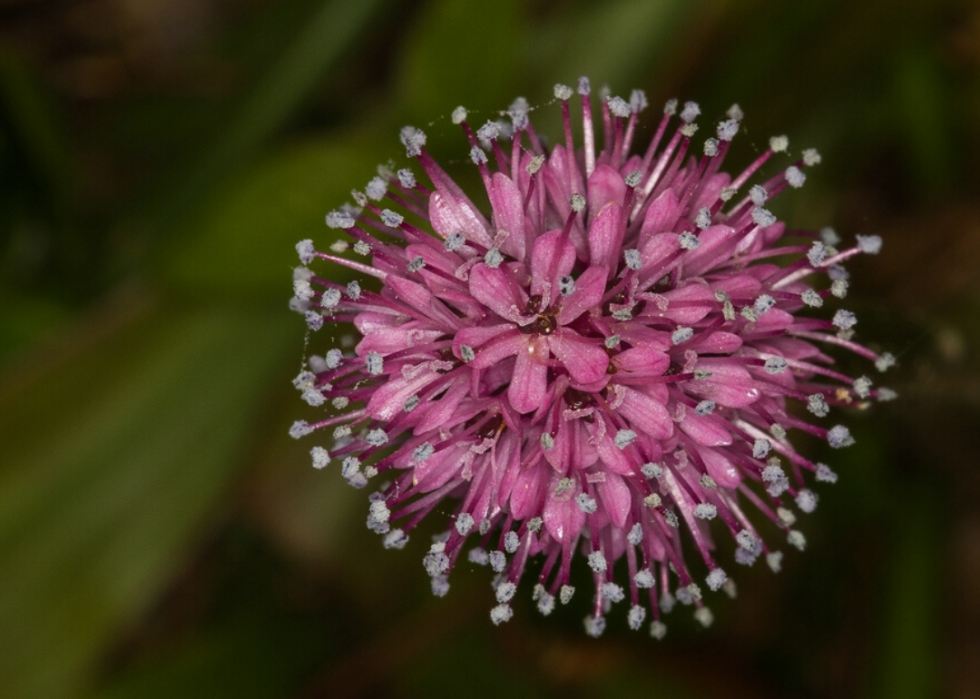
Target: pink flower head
(596,372)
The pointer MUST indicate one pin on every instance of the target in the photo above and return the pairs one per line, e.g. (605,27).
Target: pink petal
(395,339)
(616,498)
(606,186)
(729,384)
(710,190)
(414,295)
(661,215)
(716,245)
(506,458)
(479,335)
(449,214)
(508,214)
(613,457)
(368,321)
(586,360)
(529,491)
(496,288)
(388,400)
(526,392)
(550,261)
(506,344)
(723,471)
(558,455)
(705,430)
(563,518)
(644,360)
(444,407)
(689,303)
(606,236)
(437,258)
(719,342)
(744,288)
(655,250)
(589,288)
(646,415)
(774,319)
(436,471)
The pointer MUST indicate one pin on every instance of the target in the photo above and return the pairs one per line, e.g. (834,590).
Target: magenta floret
(597,371)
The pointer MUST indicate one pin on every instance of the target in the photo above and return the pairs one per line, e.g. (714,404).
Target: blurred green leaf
(116,453)
(459,53)
(255,640)
(924,117)
(244,239)
(613,42)
(27,120)
(332,28)
(909,643)
(464,663)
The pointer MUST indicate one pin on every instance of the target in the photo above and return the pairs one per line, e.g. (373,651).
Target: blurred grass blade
(457,54)
(330,31)
(242,240)
(910,644)
(115,456)
(29,122)
(615,42)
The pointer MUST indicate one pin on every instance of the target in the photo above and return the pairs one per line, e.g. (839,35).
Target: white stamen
(806,500)
(727,129)
(690,112)
(500,614)
(321,457)
(845,320)
(489,131)
(778,144)
(638,101)
(374,363)
(652,470)
(689,241)
(619,107)
(300,428)
(340,219)
(716,578)
(493,258)
(705,407)
(795,177)
(586,504)
(825,474)
(839,437)
(391,218)
(454,241)
(376,188)
(597,562)
(413,139)
(703,219)
(869,244)
(705,510)
(407,178)
(763,217)
(624,438)
(305,250)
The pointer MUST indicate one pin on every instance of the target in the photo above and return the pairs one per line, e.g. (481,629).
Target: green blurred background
(160,534)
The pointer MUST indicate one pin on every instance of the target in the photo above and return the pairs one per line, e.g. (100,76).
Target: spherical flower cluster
(599,371)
